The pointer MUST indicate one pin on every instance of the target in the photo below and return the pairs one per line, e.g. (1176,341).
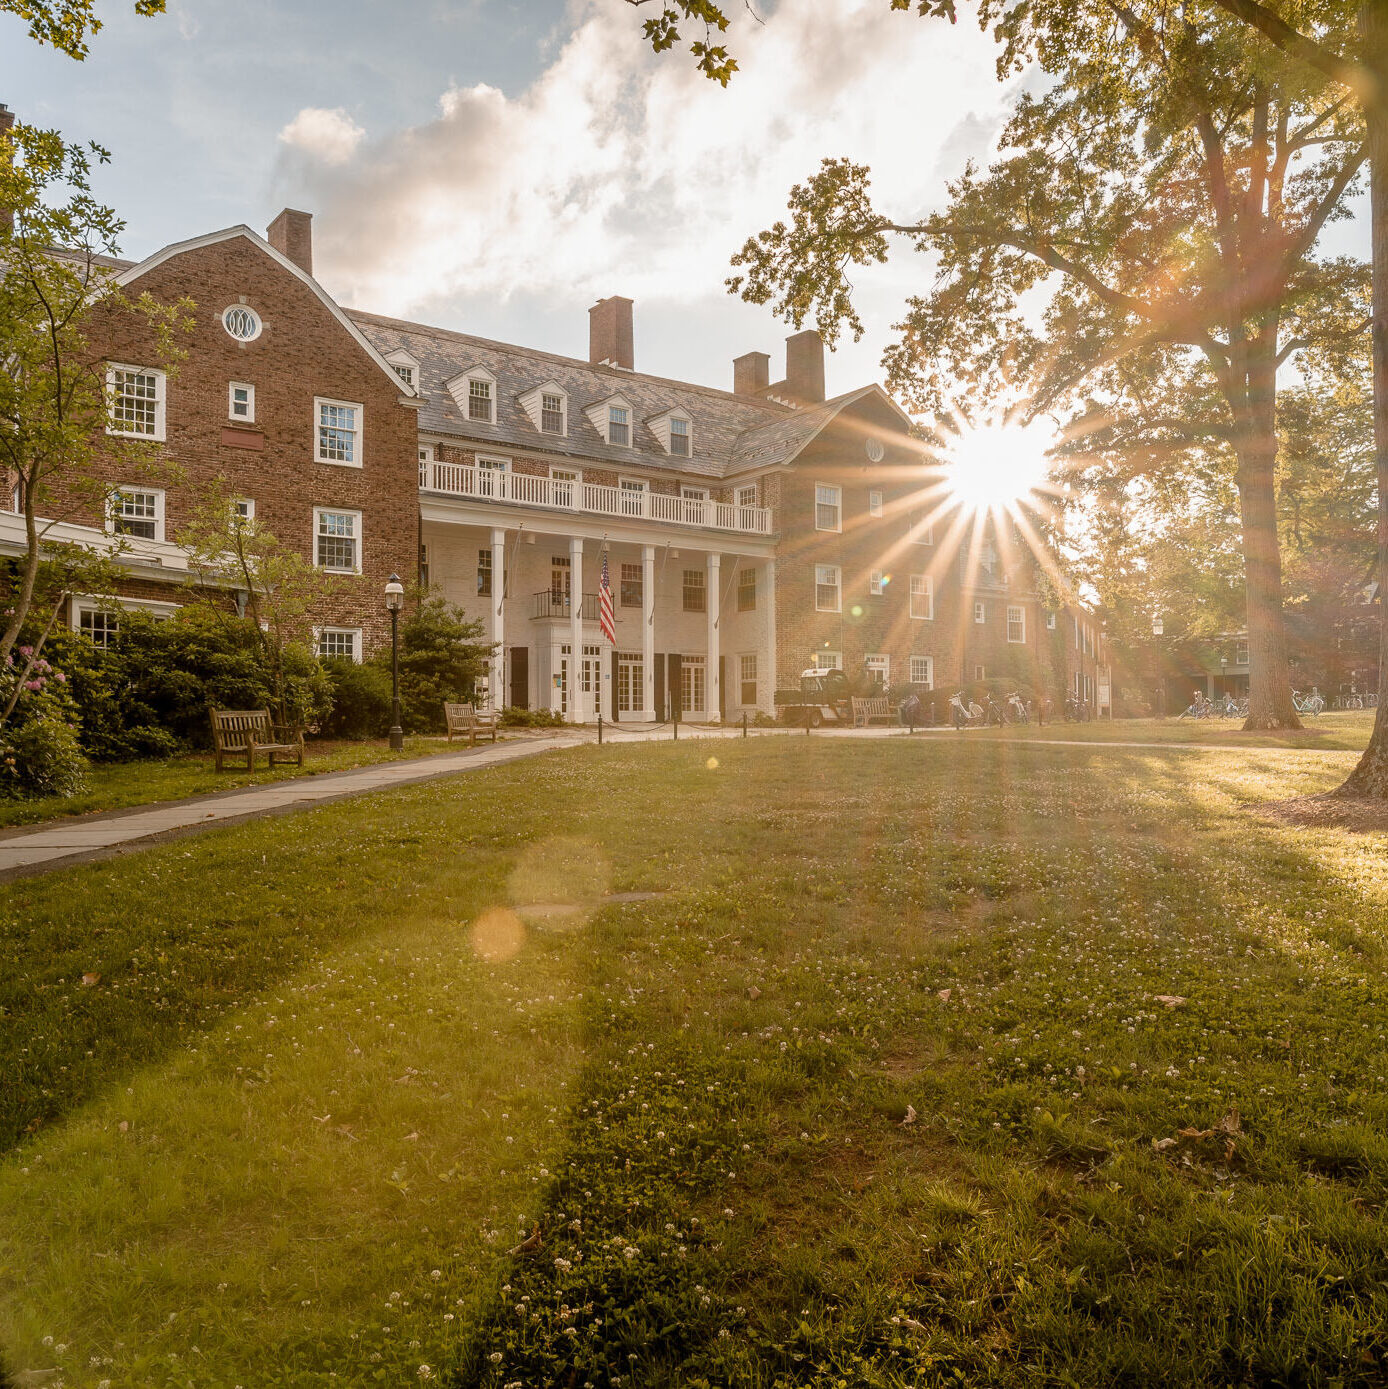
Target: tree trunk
(1270,681)
(1370,777)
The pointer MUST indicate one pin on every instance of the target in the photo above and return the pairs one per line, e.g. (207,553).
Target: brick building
(747,533)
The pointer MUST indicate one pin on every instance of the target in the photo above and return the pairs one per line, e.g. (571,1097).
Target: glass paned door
(629,684)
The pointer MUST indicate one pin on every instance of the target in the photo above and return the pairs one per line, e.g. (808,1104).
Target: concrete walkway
(27,851)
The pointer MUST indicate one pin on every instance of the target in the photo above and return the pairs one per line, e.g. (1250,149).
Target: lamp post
(395,600)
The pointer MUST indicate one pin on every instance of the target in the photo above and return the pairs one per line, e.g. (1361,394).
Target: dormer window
(547,404)
(475,394)
(405,367)
(679,437)
(675,432)
(551,413)
(479,400)
(613,419)
(619,425)
(404,371)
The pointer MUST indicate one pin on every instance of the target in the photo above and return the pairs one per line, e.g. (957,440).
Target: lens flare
(998,468)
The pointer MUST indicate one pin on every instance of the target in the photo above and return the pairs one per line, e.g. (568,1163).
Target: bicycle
(1313,703)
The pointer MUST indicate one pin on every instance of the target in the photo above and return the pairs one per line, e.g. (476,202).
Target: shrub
(441,659)
(361,700)
(41,757)
(531,718)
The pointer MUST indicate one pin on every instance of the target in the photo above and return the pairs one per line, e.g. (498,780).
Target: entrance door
(519,697)
(629,683)
(590,681)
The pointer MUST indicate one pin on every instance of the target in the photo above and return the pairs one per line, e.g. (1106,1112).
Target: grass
(118,786)
(880,1091)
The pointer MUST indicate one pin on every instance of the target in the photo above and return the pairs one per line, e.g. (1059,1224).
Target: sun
(999,467)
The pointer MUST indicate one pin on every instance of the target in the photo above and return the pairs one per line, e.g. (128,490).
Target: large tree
(67,24)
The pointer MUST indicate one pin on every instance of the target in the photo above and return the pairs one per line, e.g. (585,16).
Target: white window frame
(480,379)
(318,513)
(249,388)
(874,502)
(688,437)
(877,583)
(119,491)
(1017,615)
(693,682)
(980,613)
(923,586)
(563,400)
(627,425)
(426,453)
(836,583)
(244,508)
(928,679)
(161,386)
(742,497)
(570,478)
(921,531)
(747,587)
(879,663)
(86,602)
(1050,622)
(633,487)
(744,679)
(352,632)
(823,501)
(357,432)
(827,660)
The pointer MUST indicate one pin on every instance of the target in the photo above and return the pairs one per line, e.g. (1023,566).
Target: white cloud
(619,171)
(331,137)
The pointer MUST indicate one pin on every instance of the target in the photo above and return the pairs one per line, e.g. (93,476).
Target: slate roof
(732,433)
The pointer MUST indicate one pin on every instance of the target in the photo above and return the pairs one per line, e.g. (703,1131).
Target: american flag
(605,620)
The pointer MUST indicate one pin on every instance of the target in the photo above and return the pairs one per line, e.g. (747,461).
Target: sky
(496,166)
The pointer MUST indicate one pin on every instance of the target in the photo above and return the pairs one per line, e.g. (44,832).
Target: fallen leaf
(910,1114)
(88,980)
(753,992)
(530,1242)
(944,994)
(1171,1000)
(1162,1144)
(124,1126)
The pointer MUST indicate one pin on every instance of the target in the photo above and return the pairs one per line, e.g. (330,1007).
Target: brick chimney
(291,234)
(6,124)
(610,335)
(805,367)
(751,373)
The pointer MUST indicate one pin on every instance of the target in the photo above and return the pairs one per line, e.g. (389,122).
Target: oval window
(242,323)
(875,452)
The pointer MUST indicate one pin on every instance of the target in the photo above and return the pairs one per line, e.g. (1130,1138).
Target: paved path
(100,836)
(27,851)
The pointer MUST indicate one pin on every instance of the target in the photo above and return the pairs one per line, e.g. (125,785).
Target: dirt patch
(1360,816)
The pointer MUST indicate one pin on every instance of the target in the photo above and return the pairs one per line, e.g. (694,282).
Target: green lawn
(881,1090)
(118,786)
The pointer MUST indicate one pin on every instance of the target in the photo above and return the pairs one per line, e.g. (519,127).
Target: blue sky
(497,165)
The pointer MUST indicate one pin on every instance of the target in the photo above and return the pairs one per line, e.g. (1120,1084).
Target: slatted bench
(246,732)
(864,711)
(466,718)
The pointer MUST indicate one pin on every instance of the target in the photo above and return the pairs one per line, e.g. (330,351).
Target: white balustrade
(528,489)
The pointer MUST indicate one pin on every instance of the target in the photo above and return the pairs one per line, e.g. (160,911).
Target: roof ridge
(774,410)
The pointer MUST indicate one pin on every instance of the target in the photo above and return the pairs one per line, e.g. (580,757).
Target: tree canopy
(67,24)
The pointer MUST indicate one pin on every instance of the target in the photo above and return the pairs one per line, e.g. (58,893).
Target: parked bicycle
(1313,703)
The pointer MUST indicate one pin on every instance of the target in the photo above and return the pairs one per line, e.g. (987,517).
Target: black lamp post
(395,600)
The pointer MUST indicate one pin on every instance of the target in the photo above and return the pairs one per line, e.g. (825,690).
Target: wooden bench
(246,732)
(465,718)
(865,710)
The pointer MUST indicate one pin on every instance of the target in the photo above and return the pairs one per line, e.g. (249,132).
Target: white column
(498,681)
(648,633)
(577,713)
(768,681)
(715,603)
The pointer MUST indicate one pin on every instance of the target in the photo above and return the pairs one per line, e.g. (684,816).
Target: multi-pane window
(1016,624)
(479,399)
(747,496)
(874,503)
(566,482)
(692,684)
(342,642)
(339,432)
(679,438)
(695,591)
(241,401)
(828,508)
(138,512)
(1241,653)
(100,626)
(879,668)
(551,413)
(484,573)
(1050,622)
(137,402)
(826,588)
(243,508)
(404,371)
(338,541)
(921,531)
(633,586)
(827,660)
(747,669)
(923,671)
(980,613)
(630,677)
(746,590)
(618,425)
(877,583)
(633,496)
(922,596)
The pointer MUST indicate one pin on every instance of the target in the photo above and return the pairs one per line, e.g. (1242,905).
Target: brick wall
(302,352)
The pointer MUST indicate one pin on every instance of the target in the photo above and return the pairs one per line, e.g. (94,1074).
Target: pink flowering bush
(40,754)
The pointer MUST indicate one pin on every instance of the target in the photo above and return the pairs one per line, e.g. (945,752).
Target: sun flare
(998,467)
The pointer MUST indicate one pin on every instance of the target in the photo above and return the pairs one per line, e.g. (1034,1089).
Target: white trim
(79,603)
(882,668)
(980,613)
(249,388)
(248,503)
(241,307)
(600,418)
(320,511)
(358,431)
(875,502)
(877,583)
(837,585)
(929,681)
(532,401)
(460,388)
(928,593)
(353,632)
(161,399)
(1021,619)
(400,358)
(837,505)
(157,520)
(197,243)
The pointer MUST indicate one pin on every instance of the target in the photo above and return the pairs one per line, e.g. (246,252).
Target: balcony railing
(492,484)
(552,603)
